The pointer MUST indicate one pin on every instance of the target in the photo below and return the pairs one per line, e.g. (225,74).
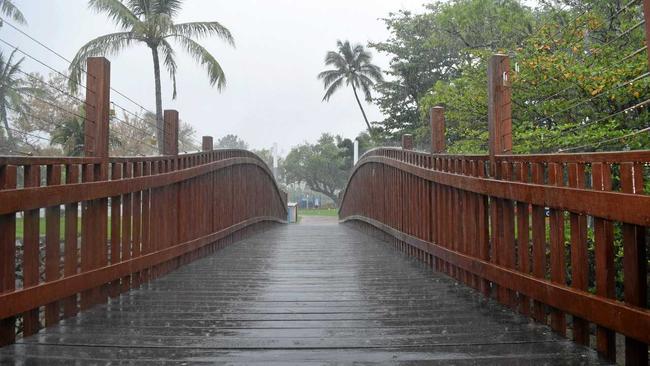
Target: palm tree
(151,22)
(12,88)
(70,135)
(352,66)
(9,9)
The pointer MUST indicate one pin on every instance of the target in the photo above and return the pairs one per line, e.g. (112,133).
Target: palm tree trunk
(159,112)
(361,107)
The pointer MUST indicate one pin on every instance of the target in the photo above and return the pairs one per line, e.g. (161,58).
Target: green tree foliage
(323,166)
(9,9)
(572,85)
(231,142)
(352,67)
(151,22)
(13,88)
(436,46)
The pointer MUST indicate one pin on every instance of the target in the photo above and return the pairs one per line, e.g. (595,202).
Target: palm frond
(372,71)
(141,8)
(116,11)
(170,63)
(169,7)
(336,85)
(203,29)
(328,76)
(8,8)
(202,56)
(365,84)
(335,59)
(105,45)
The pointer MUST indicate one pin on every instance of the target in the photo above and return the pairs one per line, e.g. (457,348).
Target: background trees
(572,85)
(151,22)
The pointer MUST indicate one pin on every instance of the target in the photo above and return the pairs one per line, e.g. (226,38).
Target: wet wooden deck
(312,293)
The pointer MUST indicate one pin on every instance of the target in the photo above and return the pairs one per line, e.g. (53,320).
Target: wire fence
(44,117)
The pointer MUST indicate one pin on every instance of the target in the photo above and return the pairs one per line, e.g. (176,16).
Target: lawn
(318,212)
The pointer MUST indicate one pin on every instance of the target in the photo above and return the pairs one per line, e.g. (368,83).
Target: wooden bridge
(186,258)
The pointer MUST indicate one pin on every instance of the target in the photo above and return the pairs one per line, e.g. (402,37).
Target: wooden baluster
(53,245)
(635,269)
(71,246)
(539,241)
(31,250)
(116,228)
(604,246)
(558,267)
(579,252)
(8,175)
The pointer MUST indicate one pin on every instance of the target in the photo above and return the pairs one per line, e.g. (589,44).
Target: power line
(43,64)
(637,132)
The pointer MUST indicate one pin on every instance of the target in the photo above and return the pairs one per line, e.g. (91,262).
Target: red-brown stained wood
(31,244)
(556,228)
(539,242)
(579,252)
(116,227)
(523,235)
(635,269)
(71,245)
(52,245)
(604,252)
(8,175)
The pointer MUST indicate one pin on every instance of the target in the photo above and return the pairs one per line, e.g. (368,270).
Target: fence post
(170,132)
(437,120)
(499,108)
(646,14)
(98,90)
(94,227)
(407,142)
(207,143)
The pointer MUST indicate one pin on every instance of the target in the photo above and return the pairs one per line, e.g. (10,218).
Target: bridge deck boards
(300,294)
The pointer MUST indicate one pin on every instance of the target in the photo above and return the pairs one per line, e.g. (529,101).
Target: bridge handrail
(470,217)
(140,218)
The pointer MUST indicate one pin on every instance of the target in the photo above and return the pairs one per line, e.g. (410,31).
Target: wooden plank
(53,245)
(523,236)
(125,247)
(116,228)
(605,271)
(635,269)
(31,250)
(539,242)
(71,246)
(557,255)
(579,253)
(8,175)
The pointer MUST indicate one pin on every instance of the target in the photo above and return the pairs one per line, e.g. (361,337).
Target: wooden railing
(75,231)
(551,236)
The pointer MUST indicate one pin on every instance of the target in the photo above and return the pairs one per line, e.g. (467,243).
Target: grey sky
(272,94)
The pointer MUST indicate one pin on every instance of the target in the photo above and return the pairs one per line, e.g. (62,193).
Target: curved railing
(75,231)
(559,237)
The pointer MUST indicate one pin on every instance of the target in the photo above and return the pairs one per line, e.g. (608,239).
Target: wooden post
(499,108)
(94,218)
(170,132)
(207,143)
(646,14)
(437,117)
(98,90)
(407,142)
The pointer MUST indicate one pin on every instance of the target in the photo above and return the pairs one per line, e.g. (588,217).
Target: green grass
(332,212)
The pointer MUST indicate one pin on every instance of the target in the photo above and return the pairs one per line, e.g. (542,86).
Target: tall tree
(151,22)
(352,66)
(12,90)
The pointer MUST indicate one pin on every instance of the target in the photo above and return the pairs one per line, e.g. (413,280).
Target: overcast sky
(272,93)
